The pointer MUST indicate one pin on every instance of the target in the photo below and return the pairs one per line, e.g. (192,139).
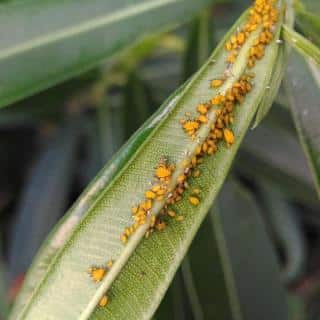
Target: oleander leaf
(90,233)
(301,44)
(44,43)
(303,89)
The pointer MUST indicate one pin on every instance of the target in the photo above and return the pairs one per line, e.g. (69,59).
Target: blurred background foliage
(267,216)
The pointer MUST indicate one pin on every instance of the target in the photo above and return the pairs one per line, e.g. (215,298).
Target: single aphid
(228,136)
(97,273)
(103,301)
(194,200)
(216,83)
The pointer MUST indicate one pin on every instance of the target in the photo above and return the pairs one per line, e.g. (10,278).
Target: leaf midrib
(237,70)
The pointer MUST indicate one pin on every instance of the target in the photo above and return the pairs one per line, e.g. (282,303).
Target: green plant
(115,252)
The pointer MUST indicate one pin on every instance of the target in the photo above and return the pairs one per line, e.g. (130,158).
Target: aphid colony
(158,191)
(263,14)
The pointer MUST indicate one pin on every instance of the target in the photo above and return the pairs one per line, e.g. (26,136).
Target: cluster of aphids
(97,273)
(170,182)
(159,190)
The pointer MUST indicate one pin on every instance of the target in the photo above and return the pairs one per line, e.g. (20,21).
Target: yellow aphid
(194,200)
(146,205)
(203,119)
(191,125)
(196,173)
(216,83)
(231,58)
(180,218)
(198,150)
(127,232)
(124,238)
(196,191)
(228,46)
(218,99)
(185,163)
(110,264)
(150,194)
(134,210)
(163,171)
(161,225)
(181,178)
(241,38)
(103,301)
(228,136)
(153,221)
(194,161)
(156,188)
(201,108)
(171,213)
(159,198)
(97,273)
(161,192)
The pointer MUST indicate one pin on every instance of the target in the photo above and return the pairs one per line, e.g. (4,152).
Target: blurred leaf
(44,198)
(286,227)
(310,25)
(40,47)
(250,265)
(297,308)
(143,268)
(273,154)
(207,271)
(200,43)
(303,88)
(301,44)
(111,131)
(4,304)
(136,108)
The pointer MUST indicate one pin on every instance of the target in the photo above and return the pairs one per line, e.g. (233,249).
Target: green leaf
(250,265)
(272,153)
(286,229)
(48,47)
(302,84)
(200,43)
(4,303)
(143,268)
(51,176)
(301,44)
(308,21)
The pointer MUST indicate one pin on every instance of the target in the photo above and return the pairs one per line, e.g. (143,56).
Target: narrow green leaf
(303,88)
(286,229)
(308,22)
(144,268)
(250,265)
(51,178)
(200,43)
(208,273)
(4,303)
(301,44)
(35,34)
(136,99)
(274,154)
